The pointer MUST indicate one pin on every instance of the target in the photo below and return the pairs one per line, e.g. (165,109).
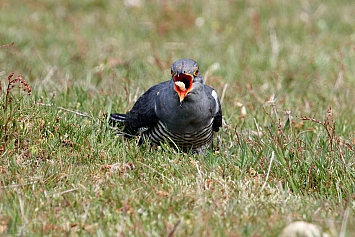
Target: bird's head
(184,73)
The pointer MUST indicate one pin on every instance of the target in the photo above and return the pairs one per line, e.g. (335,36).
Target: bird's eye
(171,71)
(196,72)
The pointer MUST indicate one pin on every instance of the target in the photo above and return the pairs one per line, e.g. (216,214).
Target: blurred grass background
(99,56)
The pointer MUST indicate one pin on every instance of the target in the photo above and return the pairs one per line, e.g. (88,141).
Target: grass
(288,142)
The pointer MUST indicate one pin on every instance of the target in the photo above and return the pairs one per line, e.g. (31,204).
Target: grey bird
(184,112)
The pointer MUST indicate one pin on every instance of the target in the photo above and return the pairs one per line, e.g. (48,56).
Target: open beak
(183,85)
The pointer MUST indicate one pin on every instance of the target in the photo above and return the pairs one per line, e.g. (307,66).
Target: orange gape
(183,85)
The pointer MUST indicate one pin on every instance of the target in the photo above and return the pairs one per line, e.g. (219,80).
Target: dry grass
(285,73)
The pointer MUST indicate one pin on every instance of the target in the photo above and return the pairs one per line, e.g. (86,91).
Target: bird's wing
(213,97)
(142,116)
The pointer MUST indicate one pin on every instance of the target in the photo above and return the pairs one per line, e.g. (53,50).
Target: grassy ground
(283,69)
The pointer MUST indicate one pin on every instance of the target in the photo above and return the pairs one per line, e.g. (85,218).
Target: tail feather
(117,119)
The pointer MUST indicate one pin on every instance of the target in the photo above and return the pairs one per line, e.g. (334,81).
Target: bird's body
(183,111)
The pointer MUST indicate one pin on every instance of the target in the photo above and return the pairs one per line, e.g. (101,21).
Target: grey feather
(160,116)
